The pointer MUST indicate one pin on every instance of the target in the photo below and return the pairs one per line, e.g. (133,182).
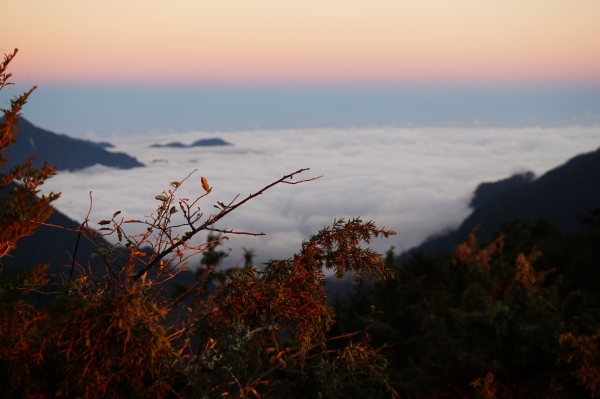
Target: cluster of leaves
(109,330)
(518,318)
(282,311)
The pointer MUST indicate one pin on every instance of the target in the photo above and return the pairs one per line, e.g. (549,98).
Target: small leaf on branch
(103,222)
(116,213)
(161,197)
(173,210)
(205,185)
(175,184)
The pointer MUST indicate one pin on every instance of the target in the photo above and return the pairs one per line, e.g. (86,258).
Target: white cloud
(414,181)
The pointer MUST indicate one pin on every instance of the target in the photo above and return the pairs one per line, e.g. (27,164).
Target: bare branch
(235,232)
(212,220)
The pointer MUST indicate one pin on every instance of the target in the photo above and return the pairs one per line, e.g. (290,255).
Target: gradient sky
(425,42)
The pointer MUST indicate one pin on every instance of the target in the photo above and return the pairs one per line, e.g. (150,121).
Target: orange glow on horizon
(267,41)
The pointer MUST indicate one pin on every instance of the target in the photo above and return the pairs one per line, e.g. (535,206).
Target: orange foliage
(112,333)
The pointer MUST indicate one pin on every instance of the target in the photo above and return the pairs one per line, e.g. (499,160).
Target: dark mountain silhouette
(64,152)
(174,144)
(102,144)
(209,142)
(489,190)
(50,245)
(559,196)
(199,143)
(56,246)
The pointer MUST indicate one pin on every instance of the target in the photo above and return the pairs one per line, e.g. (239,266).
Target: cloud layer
(414,181)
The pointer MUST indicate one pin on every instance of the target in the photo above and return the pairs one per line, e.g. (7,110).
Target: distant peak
(488,191)
(211,142)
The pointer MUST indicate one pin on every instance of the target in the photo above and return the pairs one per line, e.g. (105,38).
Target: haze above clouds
(100,112)
(415,181)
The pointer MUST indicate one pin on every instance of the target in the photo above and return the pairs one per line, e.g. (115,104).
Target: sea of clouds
(416,181)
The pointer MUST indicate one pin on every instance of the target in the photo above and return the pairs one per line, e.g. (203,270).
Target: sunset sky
(309,41)
(495,44)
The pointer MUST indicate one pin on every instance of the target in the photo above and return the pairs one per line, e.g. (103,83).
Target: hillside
(55,246)
(560,195)
(50,245)
(64,152)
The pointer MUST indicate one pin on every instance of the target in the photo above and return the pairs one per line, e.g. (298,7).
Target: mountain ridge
(210,142)
(559,196)
(62,151)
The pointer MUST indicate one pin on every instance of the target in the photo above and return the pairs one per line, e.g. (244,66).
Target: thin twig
(75,252)
(231,231)
(212,220)
(346,335)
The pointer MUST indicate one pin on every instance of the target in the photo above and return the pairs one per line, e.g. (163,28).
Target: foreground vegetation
(108,330)
(515,318)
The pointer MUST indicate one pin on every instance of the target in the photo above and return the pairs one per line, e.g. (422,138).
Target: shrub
(112,332)
(21,208)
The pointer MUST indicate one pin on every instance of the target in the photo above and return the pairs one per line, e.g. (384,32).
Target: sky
(469,42)
(117,67)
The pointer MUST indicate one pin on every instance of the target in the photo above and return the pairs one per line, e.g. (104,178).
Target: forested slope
(560,195)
